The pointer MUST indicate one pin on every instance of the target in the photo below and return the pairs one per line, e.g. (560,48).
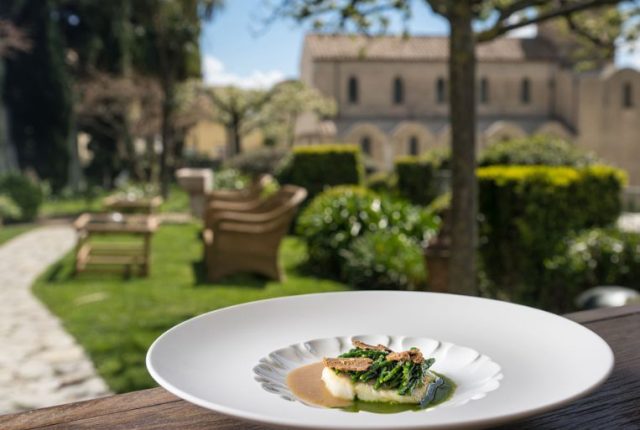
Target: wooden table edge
(152,397)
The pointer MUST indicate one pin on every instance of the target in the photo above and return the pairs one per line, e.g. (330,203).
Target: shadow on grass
(244,280)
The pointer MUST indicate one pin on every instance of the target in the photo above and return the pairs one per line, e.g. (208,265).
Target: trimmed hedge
(535,150)
(317,167)
(593,258)
(527,213)
(341,214)
(25,193)
(418,176)
(384,260)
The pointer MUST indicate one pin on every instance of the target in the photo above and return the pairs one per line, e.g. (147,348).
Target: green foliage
(592,258)
(8,208)
(536,150)
(384,260)
(259,161)
(37,92)
(317,167)
(440,204)
(229,179)
(287,101)
(383,182)
(438,157)
(340,215)
(26,194)
(529,210)
(416,179)
(419,177)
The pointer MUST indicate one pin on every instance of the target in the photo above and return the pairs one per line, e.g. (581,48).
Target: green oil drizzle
(440,395)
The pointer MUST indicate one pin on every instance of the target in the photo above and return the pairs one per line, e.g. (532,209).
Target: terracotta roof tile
(415,48)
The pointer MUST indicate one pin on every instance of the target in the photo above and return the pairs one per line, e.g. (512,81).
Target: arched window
(627,95)
(413,145)
(441,90)
(398,91)
(484,91)
(365,145)
(352,90)
(525,91)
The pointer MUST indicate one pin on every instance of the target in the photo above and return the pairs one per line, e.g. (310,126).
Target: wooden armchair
(248,241)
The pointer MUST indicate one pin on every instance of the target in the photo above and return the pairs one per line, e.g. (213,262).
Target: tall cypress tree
(37,92)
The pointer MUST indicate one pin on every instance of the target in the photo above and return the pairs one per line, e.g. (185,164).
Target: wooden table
(124,204)
(615,406)
(132,251)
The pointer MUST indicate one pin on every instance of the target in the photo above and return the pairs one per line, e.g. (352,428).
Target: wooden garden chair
(248,241)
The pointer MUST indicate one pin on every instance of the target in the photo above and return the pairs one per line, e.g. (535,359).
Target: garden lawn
(9,232)
(117,319)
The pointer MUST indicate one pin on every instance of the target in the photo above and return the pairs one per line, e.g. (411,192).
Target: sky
(239,49)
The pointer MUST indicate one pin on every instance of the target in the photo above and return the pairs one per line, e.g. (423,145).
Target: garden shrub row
(340,215)
(527,213)
(317,167)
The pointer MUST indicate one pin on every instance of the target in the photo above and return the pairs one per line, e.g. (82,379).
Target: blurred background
(164,158)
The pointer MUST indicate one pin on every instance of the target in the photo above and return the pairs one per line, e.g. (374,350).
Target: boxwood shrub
(316,167)
(419,177)
(341,214)
(384,260)
(592,258)
(528,211)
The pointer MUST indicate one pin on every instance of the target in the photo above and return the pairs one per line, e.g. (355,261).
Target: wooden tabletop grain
(616,405)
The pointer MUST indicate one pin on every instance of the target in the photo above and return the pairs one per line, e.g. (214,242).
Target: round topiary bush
(25,193)
(535,150)
(384,260)
(341,214)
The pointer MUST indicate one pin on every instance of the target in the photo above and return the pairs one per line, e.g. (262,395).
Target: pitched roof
(416,48)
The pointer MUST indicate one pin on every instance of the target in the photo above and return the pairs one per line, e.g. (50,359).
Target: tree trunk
(462,65)
(234,138)
(167,140)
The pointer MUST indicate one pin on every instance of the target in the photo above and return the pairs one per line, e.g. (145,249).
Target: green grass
(116,319)
(9,232)
(66,206)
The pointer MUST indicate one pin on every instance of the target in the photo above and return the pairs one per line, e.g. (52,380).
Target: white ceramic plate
(511,361)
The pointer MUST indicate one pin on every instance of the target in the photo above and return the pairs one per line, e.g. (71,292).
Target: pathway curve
(40,363)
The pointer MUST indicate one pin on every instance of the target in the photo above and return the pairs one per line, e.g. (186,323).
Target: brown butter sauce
(306,383)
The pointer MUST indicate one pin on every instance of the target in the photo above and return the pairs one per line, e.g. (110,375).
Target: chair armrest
(235,206)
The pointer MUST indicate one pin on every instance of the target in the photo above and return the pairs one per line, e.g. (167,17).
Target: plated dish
(507,361)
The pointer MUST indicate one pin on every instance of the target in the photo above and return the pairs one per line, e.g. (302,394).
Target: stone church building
(391,93)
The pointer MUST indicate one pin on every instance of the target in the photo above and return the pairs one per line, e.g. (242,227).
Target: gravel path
(40,363)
